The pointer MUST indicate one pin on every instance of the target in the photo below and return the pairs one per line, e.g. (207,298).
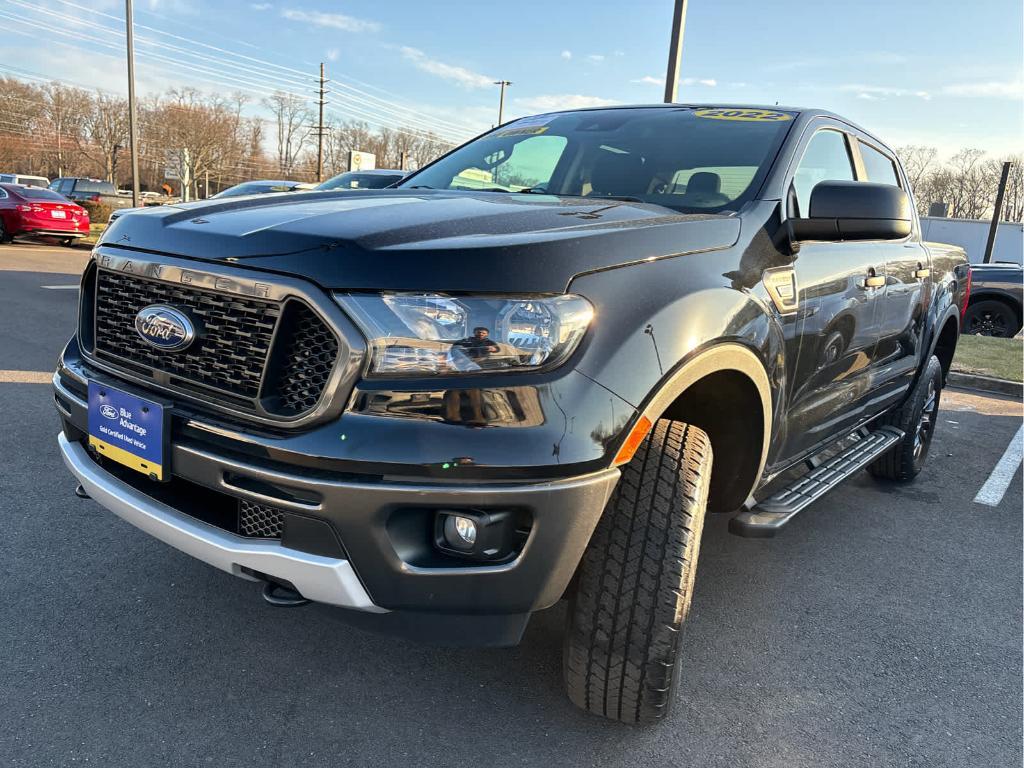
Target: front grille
(307,353)
(255,355)
(259,521)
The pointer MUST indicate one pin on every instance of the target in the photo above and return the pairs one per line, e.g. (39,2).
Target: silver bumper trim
(321,579)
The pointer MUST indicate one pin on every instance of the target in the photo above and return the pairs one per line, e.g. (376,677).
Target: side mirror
(855,210)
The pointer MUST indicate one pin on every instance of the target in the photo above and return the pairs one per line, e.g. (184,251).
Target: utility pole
(675,52)
(997,213)
(320,131)
(132,138)
(501,100)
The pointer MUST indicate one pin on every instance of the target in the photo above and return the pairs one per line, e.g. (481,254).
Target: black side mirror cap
(855,210)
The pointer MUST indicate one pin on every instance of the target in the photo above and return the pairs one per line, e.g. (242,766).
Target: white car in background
(24,180)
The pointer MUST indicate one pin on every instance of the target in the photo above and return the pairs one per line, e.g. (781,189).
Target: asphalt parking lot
(882,628)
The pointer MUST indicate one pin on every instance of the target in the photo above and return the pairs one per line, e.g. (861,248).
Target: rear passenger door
(838,313)
(907,286)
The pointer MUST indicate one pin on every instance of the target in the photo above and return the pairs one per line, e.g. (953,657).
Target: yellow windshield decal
(748,115)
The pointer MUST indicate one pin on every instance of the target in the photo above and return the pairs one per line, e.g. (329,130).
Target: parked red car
(36,212)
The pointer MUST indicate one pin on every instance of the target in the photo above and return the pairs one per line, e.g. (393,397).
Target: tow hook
(281,596)
(81,493)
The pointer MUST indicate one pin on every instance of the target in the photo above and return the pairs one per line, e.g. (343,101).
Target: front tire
(636,580)
(917,418)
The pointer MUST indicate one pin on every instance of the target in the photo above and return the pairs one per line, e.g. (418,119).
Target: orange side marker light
(636,436)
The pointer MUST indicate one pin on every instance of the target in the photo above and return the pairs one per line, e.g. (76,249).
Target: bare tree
(105,132)
(66,109)
(294,123)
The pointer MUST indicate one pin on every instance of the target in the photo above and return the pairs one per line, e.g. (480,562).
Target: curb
(986,384)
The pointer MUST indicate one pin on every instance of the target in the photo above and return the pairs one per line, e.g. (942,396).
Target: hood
(423,239)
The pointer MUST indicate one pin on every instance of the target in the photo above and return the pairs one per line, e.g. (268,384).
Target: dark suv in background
(80,189)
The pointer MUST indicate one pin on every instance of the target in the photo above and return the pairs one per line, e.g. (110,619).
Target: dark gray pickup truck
(996,302)
(521,375)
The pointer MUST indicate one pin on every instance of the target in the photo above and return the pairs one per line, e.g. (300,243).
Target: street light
(675,51)
(501,101)
(131,102)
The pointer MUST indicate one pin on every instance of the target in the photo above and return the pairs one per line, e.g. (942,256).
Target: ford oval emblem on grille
(165,327)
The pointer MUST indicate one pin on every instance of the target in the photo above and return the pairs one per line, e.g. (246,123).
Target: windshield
(354,180)
(255,188)
(688,159)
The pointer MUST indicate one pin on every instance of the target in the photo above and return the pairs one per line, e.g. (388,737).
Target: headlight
(431,333)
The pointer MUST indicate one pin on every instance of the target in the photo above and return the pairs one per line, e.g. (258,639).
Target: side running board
(768,516)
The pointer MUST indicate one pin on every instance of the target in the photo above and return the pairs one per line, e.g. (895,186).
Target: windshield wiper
(419,186)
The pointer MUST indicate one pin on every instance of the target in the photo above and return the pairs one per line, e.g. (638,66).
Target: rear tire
(636,580)
(991,317)
(4,237)
(917,418)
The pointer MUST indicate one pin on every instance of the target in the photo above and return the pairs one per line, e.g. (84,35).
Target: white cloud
(597,58)
(566,55)
(260,6)
(331,20)
(710,82)
(553,102)
(993,89)
(876,92)
(459,75)
(332,54)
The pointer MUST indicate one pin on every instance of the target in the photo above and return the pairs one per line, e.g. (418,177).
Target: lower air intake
(260,521)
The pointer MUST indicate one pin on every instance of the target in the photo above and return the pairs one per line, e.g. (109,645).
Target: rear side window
(38,193)
(880,168)
(87,187)
(827,158)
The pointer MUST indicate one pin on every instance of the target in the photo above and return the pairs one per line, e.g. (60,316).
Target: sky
(940,73)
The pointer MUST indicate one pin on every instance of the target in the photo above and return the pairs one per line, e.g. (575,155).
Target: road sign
(361,161)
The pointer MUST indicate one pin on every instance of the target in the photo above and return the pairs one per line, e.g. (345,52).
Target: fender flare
(728,356)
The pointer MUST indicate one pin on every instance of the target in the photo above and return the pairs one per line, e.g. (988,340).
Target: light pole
(675,51)
(501,99)
(132,139)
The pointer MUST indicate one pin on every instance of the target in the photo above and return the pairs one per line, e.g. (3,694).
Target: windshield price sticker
(744,115)
(527,126)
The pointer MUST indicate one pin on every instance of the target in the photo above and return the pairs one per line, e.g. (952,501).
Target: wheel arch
(724,390)
(944,344)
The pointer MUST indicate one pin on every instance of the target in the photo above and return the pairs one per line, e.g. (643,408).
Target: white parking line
(992,491)
(62,287)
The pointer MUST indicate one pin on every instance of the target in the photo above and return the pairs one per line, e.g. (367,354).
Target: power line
(439,125)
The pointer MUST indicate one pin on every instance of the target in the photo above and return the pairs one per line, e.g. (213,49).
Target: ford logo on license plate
(165,327)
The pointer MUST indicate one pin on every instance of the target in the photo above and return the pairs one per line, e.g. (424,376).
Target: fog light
(475,534)
(465,529)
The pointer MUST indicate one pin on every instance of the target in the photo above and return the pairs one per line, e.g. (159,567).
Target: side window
(827,158)
(3,194)
(880,168)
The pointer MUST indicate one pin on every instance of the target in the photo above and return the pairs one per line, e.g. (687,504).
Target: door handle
(873,280)
(921,274)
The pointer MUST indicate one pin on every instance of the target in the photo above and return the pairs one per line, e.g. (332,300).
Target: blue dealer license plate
(128,429)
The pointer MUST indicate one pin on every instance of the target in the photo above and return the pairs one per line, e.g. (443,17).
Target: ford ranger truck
(523,375)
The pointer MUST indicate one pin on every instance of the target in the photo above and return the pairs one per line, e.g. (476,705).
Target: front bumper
(384,531)
(323,579)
